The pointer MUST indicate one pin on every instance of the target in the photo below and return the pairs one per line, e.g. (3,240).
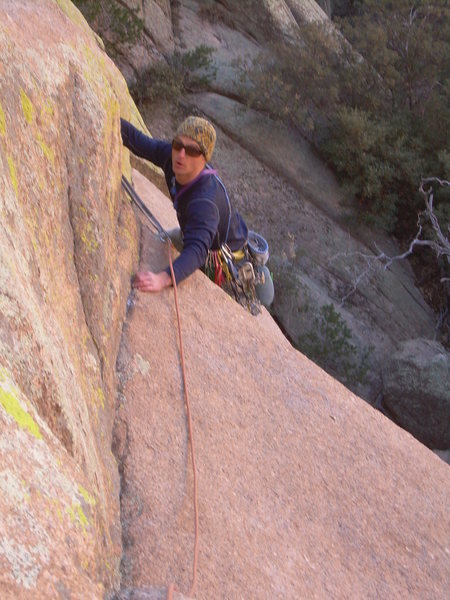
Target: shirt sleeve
(198,236)
(156,151)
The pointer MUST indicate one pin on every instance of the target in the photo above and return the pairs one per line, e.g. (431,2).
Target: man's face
(187,159)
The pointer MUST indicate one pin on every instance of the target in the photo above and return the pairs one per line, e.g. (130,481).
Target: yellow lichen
(86,495)
(77,515)
(13,173)
(27,107)
(12,406)
(49,153)
(49,108)
(2,122)
(84,521)
(74,15)
(100,397)
(88,238)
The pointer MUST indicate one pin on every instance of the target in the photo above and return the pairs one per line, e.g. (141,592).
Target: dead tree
(429,234)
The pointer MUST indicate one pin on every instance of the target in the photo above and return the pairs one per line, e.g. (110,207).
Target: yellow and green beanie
(201,131)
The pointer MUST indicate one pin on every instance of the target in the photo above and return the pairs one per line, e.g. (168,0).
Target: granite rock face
(305,491)
(68,244)
(233,29)
(417,391)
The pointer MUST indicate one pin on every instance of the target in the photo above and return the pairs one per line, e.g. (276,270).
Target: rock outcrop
(417,391)
(305,491)
(316,256)
(233,28)
(68,244)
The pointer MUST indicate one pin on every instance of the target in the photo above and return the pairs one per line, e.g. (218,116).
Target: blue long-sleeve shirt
(205,214)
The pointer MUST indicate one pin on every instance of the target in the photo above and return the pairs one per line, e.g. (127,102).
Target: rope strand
(171,587)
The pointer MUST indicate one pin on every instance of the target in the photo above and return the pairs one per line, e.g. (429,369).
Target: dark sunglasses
(190,150)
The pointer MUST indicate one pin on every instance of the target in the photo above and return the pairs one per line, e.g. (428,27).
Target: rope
(171,587)
(164,237)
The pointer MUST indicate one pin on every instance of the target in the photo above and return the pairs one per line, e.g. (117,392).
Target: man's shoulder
(207,186)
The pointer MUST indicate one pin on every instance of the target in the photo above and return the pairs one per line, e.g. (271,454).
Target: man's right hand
(146,281)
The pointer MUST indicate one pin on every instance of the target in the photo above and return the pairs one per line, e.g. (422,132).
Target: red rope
(171,587)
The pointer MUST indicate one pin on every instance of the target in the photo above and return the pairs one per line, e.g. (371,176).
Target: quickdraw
(238,273)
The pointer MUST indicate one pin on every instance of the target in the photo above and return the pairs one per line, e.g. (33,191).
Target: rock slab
(305,491)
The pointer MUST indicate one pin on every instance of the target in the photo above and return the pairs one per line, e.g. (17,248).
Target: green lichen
(27,107)
(2,122)
(12,406)
(13,173)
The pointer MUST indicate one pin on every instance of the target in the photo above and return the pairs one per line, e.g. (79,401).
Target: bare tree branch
(440,245)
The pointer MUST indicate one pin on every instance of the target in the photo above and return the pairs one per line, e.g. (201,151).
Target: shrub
(329,344)
(378,111)
(180,73)
(115,23)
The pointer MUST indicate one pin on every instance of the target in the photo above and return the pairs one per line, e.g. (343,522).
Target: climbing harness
(239,273)
(165,238)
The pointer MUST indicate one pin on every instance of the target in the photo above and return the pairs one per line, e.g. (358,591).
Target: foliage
(377,109)
(180,73)
(329,344)
(341,8)
(114,21)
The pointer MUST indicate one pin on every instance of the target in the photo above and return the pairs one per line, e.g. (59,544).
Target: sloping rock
(234,29)
(68,244)
(148,594)
(155,41)
(417,390)
(304,490)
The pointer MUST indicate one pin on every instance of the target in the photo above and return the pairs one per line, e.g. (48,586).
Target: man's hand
(146,281)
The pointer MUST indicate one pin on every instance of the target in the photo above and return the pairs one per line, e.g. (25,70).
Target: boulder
(416,390)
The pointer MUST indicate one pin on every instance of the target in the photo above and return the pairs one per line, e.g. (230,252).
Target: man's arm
(156,151)
(198,237)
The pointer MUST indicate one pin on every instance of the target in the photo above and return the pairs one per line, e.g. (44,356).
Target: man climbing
(206,217)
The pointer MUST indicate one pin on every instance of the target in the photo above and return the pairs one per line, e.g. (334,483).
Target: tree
(432,234)
(113,20)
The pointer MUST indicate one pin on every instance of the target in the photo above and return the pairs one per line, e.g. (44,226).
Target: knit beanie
(201,131)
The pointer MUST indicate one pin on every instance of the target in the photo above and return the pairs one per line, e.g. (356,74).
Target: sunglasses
(190,150)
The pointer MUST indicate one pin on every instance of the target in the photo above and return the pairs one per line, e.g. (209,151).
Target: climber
(207,220)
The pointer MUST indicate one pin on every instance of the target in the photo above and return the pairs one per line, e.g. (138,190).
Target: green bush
(180,73)
(329,344)
(378,110)
(115,23)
